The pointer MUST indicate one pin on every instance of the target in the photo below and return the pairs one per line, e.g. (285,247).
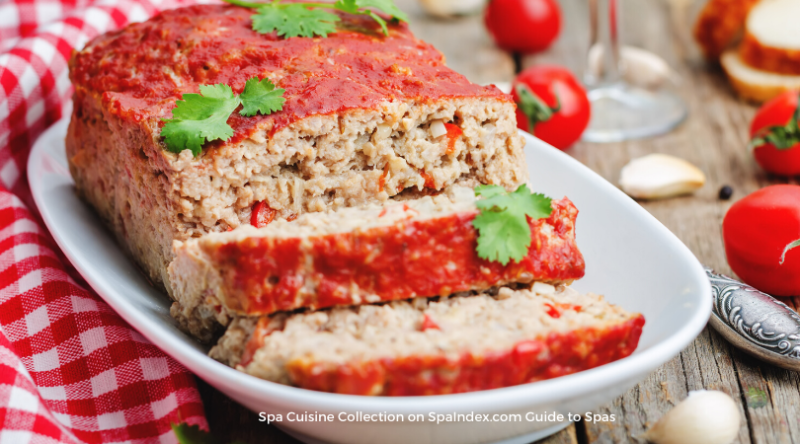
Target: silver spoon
(755,321)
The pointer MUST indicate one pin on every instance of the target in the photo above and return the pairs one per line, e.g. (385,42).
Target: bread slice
(400,250)
(754,84)
(367,117)
(720,24)
(426,347)
(772,38)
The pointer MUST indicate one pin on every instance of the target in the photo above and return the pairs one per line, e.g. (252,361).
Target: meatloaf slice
(366,117)
(400,250)
(425,347)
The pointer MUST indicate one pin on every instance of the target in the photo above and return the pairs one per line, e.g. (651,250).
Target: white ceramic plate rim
(541,393)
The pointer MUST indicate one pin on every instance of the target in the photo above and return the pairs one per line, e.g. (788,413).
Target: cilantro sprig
(201,118)
(502,224)
(309,19)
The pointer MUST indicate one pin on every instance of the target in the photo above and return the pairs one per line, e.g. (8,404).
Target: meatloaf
(399,250)
(427,347)
(367,117)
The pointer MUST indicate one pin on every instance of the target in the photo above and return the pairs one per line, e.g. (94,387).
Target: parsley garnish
(503,230)
(201,118)
(294,20)
(307,19)
(261,97)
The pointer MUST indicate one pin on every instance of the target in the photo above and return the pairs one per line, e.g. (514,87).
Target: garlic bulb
(449,8)
(705,417)
(657,176)
(639,67)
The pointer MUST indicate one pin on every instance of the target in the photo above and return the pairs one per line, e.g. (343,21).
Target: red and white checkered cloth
(71,370)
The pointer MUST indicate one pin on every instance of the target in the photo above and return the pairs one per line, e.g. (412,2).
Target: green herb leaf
(781,137)
(261,97)
(503,230)
(294,20)
(791,246)
(199,118)
(534,108)
(362,7)
(487,191)
(386,6)
(308,19)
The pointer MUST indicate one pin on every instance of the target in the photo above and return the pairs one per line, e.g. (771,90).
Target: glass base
(623,112)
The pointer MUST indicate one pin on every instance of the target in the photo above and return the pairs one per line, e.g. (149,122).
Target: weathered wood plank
(229,421)
(566,436)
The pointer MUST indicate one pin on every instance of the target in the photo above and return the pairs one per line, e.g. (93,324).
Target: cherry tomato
(762,239)
(523,25)
(551,105)
(776,136)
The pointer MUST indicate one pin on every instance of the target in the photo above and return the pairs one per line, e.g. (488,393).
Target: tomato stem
(781,137)
(790,246)
(534,108)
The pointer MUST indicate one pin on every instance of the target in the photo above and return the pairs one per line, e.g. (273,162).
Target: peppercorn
(725,192)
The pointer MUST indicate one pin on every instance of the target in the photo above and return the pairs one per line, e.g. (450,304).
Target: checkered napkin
(71,370)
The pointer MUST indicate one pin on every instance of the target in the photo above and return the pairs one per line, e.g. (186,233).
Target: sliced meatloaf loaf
(366,117)
(399,250)
(426,347)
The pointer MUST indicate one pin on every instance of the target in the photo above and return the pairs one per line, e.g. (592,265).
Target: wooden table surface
(714,138)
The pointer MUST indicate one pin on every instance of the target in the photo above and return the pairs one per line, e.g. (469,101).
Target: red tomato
(558,108)
(762,239)
(775,120)
(523,25)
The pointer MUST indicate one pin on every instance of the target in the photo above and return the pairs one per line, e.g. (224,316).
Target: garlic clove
(450,8)
(657,176)
(505,87)
(639,67)
(705,417)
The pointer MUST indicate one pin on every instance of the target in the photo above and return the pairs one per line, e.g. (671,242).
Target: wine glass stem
(604,34)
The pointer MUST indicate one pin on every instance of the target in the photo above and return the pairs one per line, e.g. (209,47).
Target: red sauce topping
(141,70)
(415,258)
(548,357)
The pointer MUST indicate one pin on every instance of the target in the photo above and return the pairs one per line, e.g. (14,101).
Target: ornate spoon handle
(755,321)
